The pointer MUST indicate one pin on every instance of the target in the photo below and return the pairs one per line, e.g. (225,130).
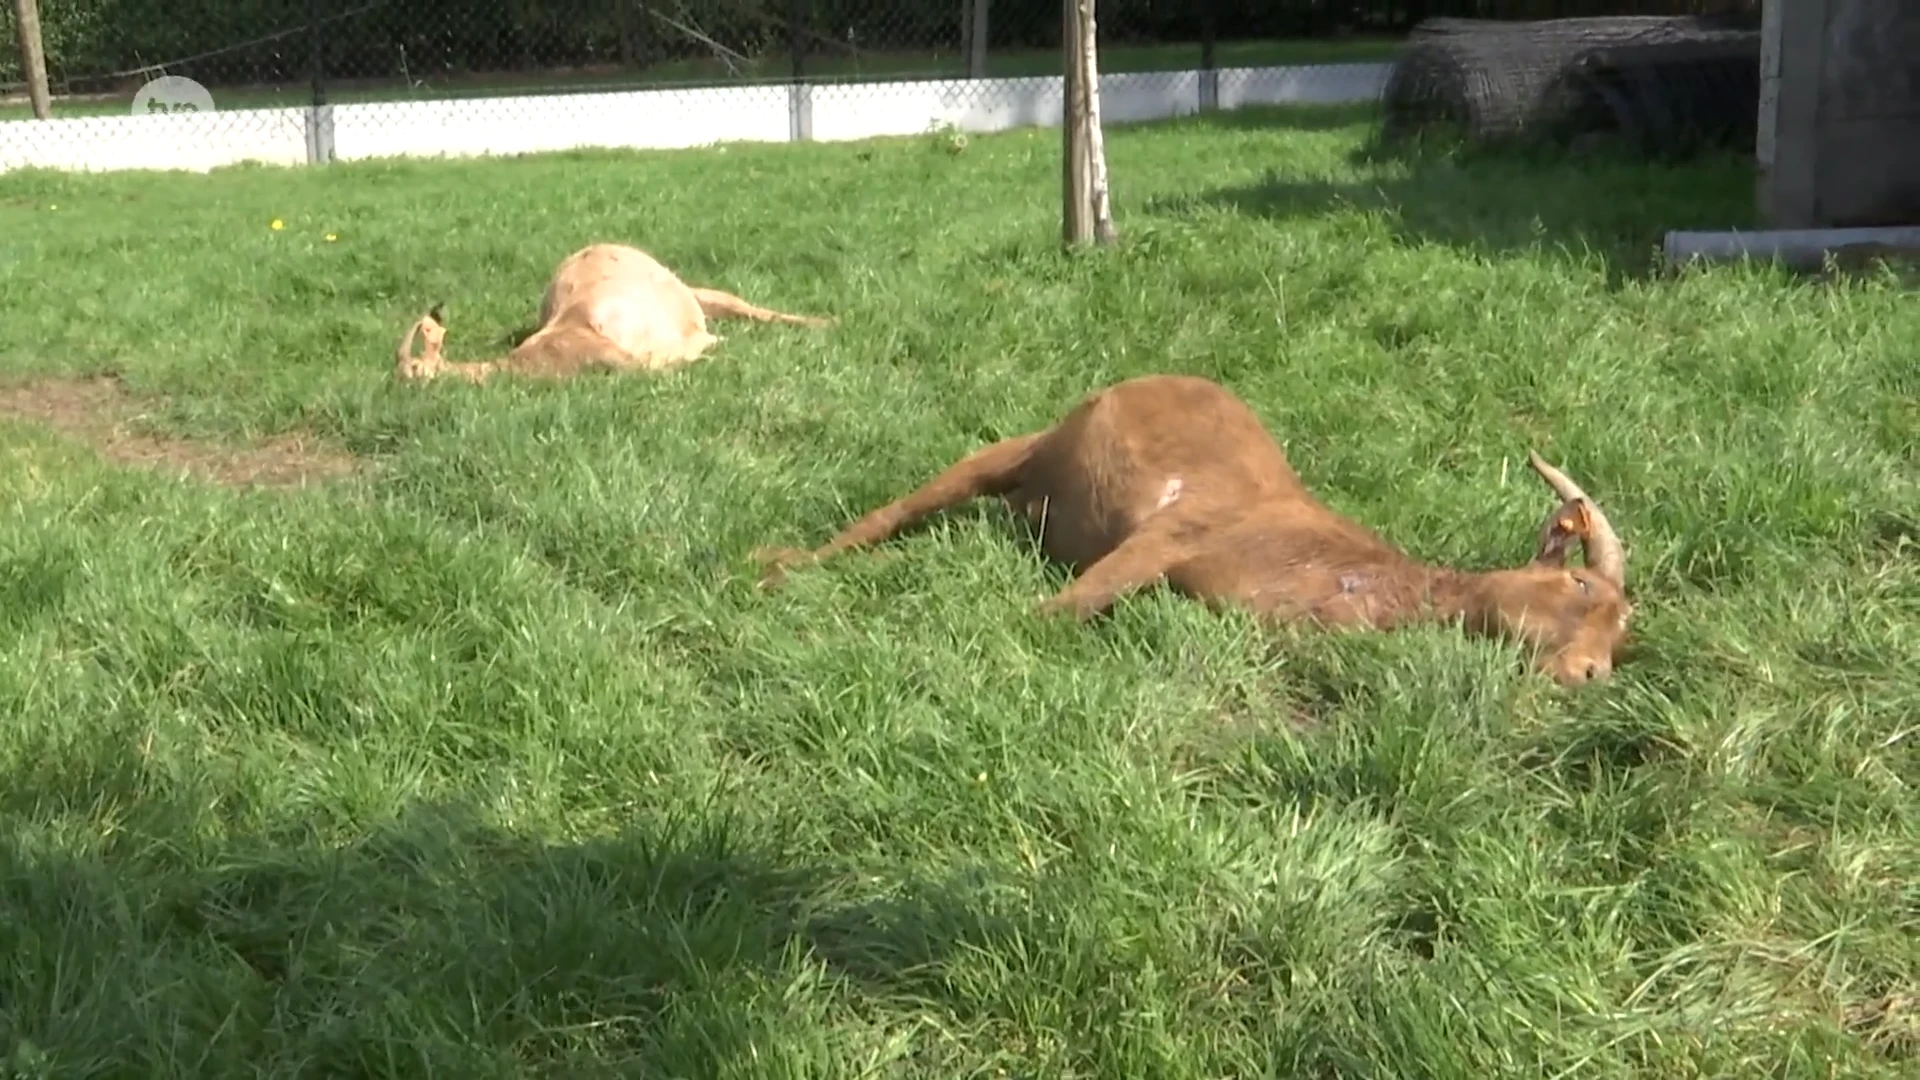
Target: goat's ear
(1570,522)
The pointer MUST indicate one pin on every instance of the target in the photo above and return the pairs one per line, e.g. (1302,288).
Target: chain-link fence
(314,80)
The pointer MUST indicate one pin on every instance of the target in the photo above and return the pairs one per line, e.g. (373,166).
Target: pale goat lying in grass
(608,306)
(1173,477)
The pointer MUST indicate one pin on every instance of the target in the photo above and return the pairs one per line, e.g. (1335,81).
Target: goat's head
(433,334)
(1574,617)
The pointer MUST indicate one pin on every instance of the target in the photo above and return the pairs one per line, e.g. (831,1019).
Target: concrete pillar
(1839,140)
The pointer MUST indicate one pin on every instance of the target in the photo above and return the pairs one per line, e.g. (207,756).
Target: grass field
(770,67)
(487,760)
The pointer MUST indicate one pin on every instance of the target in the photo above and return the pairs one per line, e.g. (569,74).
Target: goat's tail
(725,305)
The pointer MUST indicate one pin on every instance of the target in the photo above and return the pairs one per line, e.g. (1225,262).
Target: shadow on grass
(1592,204)
(440,944)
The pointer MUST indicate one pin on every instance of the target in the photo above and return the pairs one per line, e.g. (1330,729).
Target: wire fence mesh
(280,74)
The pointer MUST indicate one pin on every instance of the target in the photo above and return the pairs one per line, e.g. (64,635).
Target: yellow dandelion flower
(331,238)
(277,225)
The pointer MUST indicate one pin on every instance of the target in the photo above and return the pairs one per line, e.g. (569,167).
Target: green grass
(494,763)
(769,67)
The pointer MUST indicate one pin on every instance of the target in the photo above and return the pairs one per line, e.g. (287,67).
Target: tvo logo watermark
(172,94)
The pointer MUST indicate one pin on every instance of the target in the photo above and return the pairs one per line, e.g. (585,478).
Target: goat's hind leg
(991,470)
(715,304)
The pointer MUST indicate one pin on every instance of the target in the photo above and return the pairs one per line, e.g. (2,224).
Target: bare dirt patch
(102,413)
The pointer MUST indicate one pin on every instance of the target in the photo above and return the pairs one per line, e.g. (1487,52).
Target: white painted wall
(195,141)
(1318,84)
(647,119)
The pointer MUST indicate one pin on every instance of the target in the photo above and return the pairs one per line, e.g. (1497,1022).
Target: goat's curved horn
(1604,552)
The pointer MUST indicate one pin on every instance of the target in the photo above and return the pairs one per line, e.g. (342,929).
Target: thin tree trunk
(1076,180)
(1103,231)
(973,36)
(33,57)
(1087,212)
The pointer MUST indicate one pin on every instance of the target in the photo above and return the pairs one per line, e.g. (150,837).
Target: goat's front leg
(1138,561)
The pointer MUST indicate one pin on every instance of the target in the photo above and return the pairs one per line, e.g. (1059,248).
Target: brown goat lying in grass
(1174,477)
(608,306)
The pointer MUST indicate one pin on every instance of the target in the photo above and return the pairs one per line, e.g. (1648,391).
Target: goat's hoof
(1053,607)
(774,563)
(1079,609)
(776,556)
